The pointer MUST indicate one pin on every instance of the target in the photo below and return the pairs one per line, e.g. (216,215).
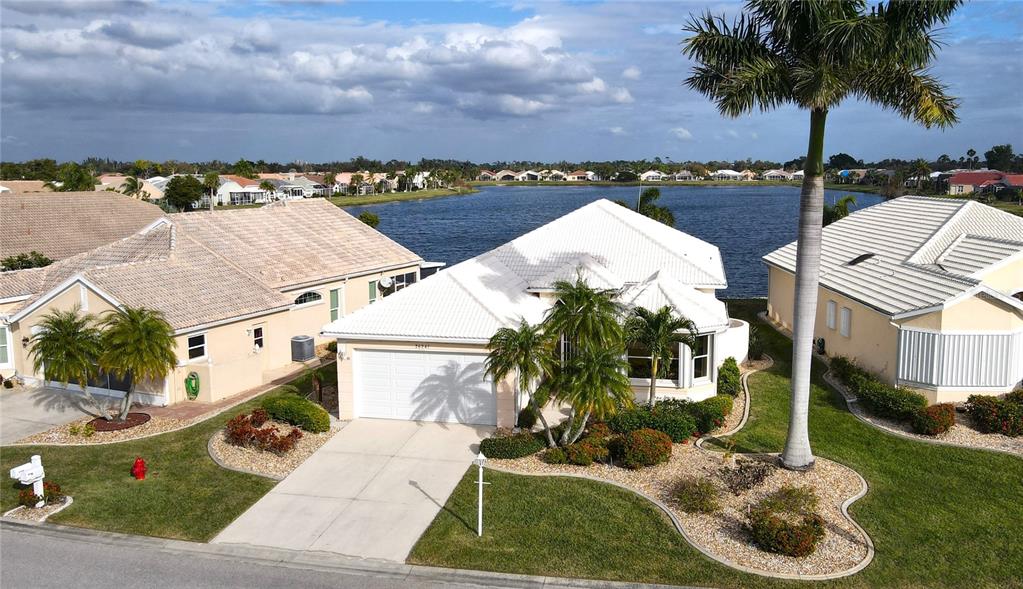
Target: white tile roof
(708,313)
(907,237)
(470,301)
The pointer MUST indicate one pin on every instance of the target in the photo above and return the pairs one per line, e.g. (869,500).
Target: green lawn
(185,494)
(939,516)
(373,199)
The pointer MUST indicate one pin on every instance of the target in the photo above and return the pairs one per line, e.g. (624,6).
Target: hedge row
(895,403)
(1001,415)
(678,418)
(297,411)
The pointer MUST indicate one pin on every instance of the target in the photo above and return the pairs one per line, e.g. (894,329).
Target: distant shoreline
(386,197)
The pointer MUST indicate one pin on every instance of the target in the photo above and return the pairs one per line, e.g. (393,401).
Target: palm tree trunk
(582,428)
(653,380)
(563,440)
(126,403)
(797,454)
(543,420)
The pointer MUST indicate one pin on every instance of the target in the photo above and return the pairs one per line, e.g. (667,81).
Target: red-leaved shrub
(643,447)
(934,420)
(243,431)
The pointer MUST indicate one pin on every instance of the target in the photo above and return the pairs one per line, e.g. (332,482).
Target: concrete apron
(369,492)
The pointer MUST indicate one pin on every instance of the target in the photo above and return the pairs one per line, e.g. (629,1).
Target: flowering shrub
(729,380)
(996,415)
(643,447)
(934,420)
(785,523)
(51,495)
(243,431)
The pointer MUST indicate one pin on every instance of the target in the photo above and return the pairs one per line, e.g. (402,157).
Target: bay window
(701,358)
(639,363)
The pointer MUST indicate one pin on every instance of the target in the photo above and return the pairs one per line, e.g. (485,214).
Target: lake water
(745,222)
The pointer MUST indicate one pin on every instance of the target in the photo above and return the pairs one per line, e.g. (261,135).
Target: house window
(403,280)
(701,358)
(639,363)
(372,291)
(5,355)
(831,314)
(308,297)
(196,346)
(257,337)
(846,321)
(335,304)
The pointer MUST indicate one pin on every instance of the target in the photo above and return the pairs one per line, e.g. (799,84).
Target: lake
(745,222)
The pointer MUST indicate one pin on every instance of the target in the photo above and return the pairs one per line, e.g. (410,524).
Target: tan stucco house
(236,286)
(419,354)
(925,292)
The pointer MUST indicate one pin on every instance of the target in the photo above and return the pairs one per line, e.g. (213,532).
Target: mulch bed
(113,425)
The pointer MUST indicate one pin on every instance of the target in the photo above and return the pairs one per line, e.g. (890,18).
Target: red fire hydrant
(138,470)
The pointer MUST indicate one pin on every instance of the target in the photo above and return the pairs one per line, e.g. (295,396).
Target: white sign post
(480,461)
(31,473)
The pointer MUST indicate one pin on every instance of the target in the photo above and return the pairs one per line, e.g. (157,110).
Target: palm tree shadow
(66,400)
(416,485)
(456,394)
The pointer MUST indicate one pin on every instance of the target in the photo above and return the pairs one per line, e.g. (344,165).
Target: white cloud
(754,135)
(732,133)
(632,73)
(682,133)
(617,131)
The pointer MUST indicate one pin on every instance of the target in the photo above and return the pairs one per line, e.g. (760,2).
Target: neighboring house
(923,291)
(487,176)
(798,175)
(553,175)
(682,176)
(62,224)
(419,354)
(116,182)
(21,186)
(527,176)
(236,286)
(310,188)
(237,190)
(506,175)
(776,175)
(652,176)
(968,182)
(727,175)
(851,176)
(579,176)
(748,175)
(285,190)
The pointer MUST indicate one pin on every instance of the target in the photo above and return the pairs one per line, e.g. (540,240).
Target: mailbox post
(31,473)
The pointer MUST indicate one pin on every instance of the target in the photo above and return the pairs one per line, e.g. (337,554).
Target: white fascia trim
(1011,301)
(996,266)
(55,291)
(345,338)
(956,332)
(16,299)
(236,319)
(343,277)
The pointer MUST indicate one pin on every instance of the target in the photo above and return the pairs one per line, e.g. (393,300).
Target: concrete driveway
(29,410)
(369,492)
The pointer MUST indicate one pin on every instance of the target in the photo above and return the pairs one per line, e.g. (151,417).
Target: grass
(373,199)
(939,516)
(185,495)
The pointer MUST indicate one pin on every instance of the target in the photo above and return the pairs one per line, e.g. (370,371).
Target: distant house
(652,176)
(554,176)
(798,175)
(506,176)
(967,182)
(727,175)
(925,292)
(682,176)
(237,190)
(579,176)
(116,182)
(22,186)
(527,176)
(776,175)
(748,175)
(487,176)
(285,190)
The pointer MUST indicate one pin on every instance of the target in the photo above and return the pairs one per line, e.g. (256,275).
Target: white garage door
(424,386)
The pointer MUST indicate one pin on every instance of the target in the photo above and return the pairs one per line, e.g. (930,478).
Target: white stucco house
(727,175)
(418,354)
(652,176)
(776,175)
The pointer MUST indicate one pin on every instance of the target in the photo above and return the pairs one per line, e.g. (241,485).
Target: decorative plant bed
(268,464)
(723,535)
(112,425)
(78,433)
(39,514)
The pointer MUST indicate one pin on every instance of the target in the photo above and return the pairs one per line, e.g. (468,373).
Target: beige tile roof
(290,243)
(25,185)
(62,224)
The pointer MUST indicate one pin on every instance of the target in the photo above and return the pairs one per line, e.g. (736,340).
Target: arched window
(308,297)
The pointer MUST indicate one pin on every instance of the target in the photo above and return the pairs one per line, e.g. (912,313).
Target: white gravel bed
(963,433)
(40,514)
(268,464)
(61,434)
(723,533)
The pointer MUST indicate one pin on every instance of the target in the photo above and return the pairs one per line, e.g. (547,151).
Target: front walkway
(369,492)
(32,409)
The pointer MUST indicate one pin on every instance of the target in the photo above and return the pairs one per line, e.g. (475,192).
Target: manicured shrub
(555,456)
(934,420)
(785,522)
(710,413)
(844,369)
(242,431)
(996,415)
(527,418)
(671,416)
(598,429)
(887,401)
(51,495)
(332,346)
(745,476)
(1015,396)
(511,446)
(586,451)
(697,495)
(729,378)
(643,447)
(297,411)
(630,420)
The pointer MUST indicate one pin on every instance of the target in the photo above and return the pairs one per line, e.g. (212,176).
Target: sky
(318,80)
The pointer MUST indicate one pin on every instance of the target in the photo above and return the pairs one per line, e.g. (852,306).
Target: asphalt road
(38,560)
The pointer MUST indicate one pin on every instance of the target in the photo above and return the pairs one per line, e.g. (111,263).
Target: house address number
(422,346)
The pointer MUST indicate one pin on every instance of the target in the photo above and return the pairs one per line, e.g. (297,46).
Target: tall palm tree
(921,171)
(529,352)
(328,180)
(971,156)
(211,182)
(138,344)
(659,333)
(814,54)
(267,187)
(66,348)
(839,211)
(594,383)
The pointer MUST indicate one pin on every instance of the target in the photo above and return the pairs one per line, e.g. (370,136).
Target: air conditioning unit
(302,348)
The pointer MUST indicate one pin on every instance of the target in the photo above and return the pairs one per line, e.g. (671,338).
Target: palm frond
(913,93)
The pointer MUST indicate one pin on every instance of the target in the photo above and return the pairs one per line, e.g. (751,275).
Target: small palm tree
(529,352)
(66,348)
(595,384)
(839,211)
(267,187)
(659,332)
(138,344)
(132,186)
(585,316)
(329,179)
(814,54)
(211,182)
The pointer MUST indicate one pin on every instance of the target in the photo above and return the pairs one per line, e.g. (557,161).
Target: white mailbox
(31,473)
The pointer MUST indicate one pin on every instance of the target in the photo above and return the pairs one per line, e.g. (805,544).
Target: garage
(423,386)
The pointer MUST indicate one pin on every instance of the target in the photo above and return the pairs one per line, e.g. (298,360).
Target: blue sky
(320,80)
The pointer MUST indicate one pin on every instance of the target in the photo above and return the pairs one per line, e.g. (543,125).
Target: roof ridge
(913,258)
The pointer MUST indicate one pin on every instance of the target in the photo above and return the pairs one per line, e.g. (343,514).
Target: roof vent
(859,259)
